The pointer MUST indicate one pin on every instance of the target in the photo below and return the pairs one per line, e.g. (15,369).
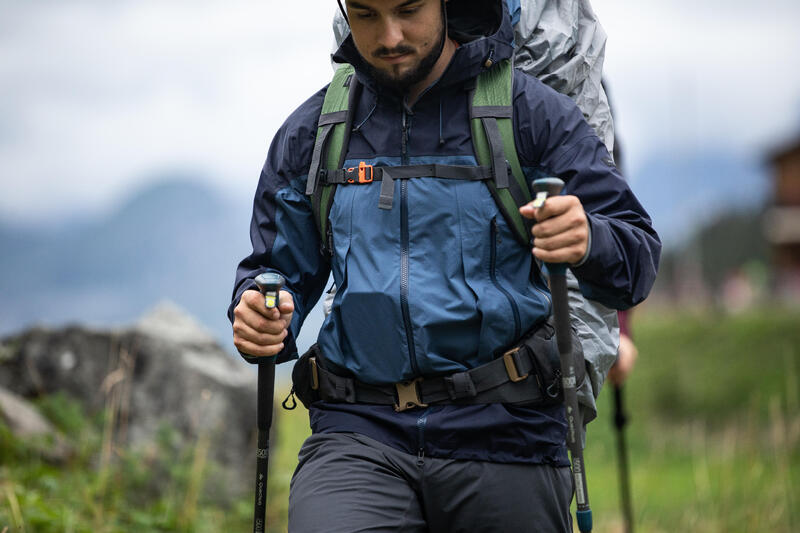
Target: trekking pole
(543,188)
(620,420)
(269,285)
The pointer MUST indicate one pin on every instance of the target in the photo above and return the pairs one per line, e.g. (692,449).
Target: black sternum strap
(365,174)
(345,176)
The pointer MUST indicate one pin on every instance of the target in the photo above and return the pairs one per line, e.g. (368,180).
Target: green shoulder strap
(335,122)
(491,115)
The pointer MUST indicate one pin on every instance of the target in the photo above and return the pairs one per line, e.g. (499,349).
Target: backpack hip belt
(525,374)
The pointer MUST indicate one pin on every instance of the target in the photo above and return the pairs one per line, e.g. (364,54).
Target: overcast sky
(98,97)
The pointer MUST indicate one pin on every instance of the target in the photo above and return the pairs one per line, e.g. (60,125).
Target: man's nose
(391,33)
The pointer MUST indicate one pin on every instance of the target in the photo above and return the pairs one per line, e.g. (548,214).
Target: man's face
(401,40)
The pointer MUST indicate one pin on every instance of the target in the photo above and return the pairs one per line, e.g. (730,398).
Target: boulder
(25,422)
(164,370)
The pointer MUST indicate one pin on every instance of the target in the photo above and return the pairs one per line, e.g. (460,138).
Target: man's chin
(398,78)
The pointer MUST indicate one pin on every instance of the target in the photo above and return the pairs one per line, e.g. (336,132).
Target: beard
(417,73)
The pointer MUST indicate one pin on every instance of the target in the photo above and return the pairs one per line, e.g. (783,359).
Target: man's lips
(394,58)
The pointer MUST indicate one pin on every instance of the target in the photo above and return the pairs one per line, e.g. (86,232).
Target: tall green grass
(153,489)
(714,407)
(714,430)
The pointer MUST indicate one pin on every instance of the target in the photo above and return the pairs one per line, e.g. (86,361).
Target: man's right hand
(259,331)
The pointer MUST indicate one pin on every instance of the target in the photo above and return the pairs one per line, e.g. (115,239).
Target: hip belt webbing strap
(509,379)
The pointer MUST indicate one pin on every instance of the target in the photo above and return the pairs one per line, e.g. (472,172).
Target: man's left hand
(626,358)
(561,232)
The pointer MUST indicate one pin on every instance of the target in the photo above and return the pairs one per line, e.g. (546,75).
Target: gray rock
(166,369)
(25,422)
(21,417)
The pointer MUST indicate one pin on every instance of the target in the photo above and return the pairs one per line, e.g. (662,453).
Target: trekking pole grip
(544,188)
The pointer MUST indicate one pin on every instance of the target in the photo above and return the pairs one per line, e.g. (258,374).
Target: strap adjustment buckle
(362,174)
(511,365)
(314,373)
(408,395)
(365,173)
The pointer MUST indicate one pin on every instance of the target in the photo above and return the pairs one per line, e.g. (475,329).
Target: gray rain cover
(562,43)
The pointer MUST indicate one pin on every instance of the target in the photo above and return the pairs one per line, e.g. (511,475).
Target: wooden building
(782,221)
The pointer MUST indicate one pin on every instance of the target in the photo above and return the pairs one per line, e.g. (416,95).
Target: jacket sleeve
(554,139)
(283,232)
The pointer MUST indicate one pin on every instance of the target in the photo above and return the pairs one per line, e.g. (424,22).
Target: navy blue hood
(481,28)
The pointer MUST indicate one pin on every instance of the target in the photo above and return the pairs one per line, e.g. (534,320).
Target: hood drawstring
(441,138)
(489,61)
(357,128)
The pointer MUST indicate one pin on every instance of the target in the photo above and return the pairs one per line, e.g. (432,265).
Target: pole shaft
(620,420)
(266,393)
(558,287)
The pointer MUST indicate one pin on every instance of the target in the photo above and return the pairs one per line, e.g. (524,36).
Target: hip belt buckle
(408,395)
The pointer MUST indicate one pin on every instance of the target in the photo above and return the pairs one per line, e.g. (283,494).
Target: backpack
(562,44)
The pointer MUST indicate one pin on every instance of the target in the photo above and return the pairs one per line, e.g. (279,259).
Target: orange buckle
(362,175)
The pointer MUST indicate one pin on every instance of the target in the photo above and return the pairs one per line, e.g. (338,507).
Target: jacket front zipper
(421,422)
(496,282)
(404,251)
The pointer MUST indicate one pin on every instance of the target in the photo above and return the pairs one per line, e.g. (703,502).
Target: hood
(481,28)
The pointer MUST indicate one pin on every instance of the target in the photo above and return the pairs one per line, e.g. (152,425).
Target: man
(435,285)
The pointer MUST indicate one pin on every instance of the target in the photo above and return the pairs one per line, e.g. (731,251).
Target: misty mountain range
(682,193)
(181,240)
(177,240)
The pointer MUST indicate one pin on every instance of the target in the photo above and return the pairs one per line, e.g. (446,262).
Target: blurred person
(628,353)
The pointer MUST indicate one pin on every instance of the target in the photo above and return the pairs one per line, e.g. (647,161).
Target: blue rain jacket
(438,284)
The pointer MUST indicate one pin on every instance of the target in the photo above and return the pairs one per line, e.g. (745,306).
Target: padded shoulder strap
(330,146)
(491,115)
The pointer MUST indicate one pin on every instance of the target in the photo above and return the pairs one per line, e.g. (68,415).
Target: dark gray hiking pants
(348,483)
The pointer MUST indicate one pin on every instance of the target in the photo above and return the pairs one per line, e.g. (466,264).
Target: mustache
(400,50)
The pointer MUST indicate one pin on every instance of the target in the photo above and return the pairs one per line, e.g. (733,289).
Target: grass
(714,426)
(713,445)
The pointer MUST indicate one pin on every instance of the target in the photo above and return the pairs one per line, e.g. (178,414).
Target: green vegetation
(103,487)
(714,405)
(714,426)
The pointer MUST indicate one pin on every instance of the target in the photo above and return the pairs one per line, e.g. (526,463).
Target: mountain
(176,240)
(683,192)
